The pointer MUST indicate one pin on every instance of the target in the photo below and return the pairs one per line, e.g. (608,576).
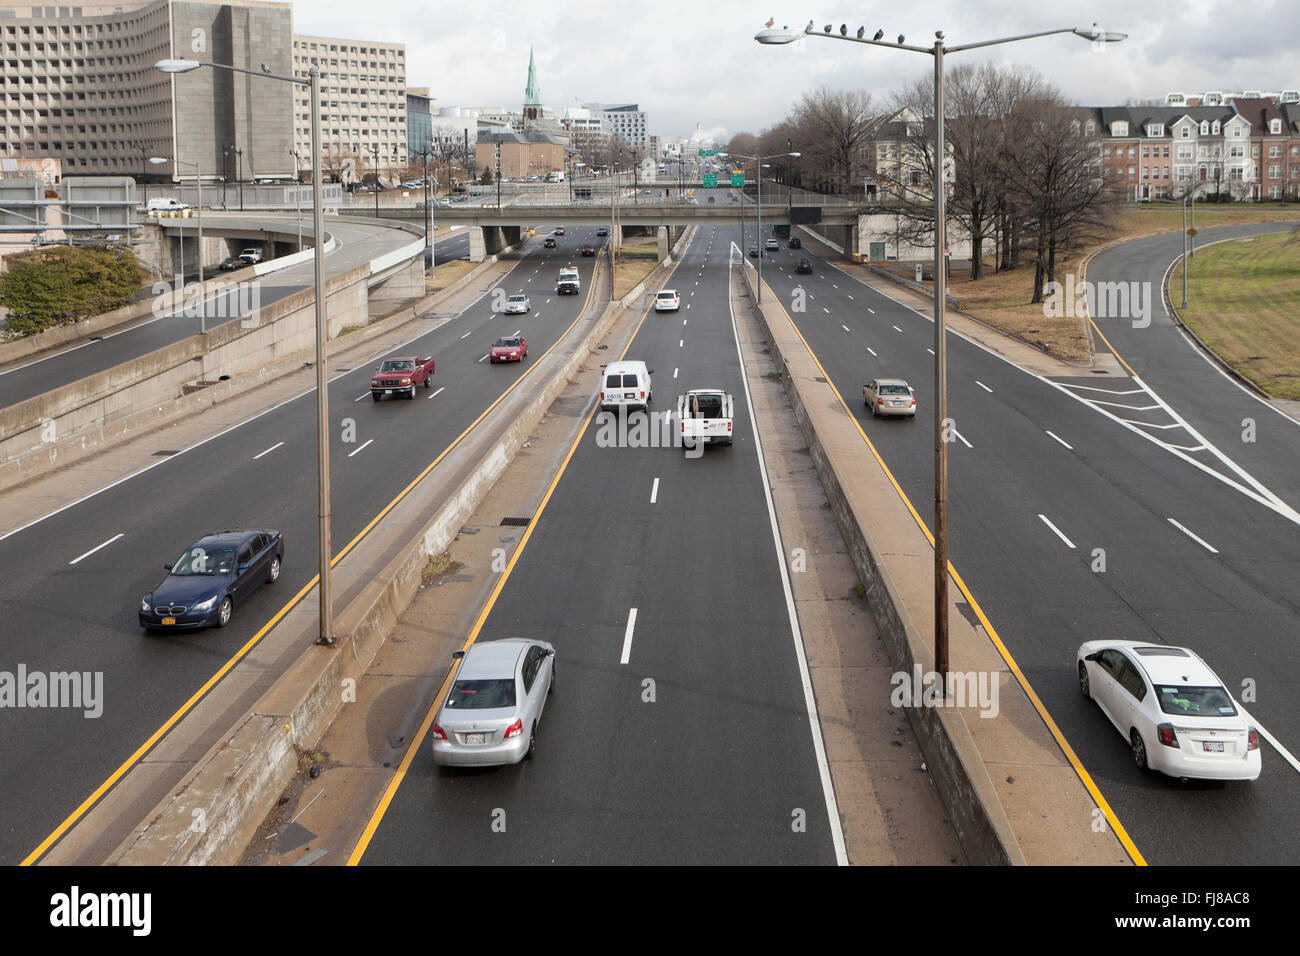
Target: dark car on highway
(211,577)
(804,268)
(232,263)
(602,231)
(795,243)
(588,250)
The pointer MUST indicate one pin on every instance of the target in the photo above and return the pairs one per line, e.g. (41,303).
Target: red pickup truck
(400,376)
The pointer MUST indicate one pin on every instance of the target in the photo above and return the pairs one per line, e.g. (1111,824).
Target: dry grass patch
(1244,303)
(628,275)
(448,272)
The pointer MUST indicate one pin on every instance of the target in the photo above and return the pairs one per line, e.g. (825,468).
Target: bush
(59,285)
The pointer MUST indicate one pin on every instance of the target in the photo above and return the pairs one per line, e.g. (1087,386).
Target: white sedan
(1175,713)
(517,305)
(667,300)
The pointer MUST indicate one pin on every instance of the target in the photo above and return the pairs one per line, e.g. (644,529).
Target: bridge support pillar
(510,236)
(407,284)
(477,243)
(663,243)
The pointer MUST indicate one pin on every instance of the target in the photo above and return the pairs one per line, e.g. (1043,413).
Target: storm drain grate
(515,522)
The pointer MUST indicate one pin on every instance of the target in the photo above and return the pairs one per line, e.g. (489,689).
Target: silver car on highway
(889,396)
(491,713)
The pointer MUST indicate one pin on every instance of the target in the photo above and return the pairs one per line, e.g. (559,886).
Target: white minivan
(625,385)
(170,204)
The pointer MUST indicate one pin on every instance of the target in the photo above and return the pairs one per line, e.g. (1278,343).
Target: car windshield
(207,561)
(1195,701)
(507,343)
(482,694)
(516,298)
(894,390)
(406,365)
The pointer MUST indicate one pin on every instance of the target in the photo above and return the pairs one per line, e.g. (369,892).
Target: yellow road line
(198,695)
(418,740)
(1134,854)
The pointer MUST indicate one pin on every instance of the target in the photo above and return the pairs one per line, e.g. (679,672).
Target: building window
(1275,127)
(1274,192)
(1186,132)
(1132,174)
(1254,151)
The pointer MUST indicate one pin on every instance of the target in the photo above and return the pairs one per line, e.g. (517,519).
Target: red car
(510,348)
(559,231)
(588,250)
(400,376)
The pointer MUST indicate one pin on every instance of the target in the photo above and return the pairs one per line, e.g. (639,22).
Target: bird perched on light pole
(770,23)
(879,34)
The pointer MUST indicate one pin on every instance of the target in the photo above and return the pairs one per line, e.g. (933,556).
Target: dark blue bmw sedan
(212,576)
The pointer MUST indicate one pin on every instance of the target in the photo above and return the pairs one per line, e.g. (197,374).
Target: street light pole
(297,194)
(325,635)
(785,35)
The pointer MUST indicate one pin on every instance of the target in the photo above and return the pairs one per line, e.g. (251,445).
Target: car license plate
(1212,746)
(169,620)
(475,738)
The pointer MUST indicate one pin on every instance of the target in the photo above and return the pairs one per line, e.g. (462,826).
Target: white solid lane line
(983,386)
(1061,440)
(654,491)
(269,450)
(1068,542)
(437,393)
(97,547)
(627,636)
(1204,544)
(350,454)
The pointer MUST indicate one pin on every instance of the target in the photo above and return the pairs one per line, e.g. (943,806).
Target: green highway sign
(707,152)
(710,179)
(737,177)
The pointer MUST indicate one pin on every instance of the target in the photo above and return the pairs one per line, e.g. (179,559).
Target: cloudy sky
(687,62)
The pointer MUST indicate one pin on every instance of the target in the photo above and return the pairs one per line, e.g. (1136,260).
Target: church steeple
(532,95)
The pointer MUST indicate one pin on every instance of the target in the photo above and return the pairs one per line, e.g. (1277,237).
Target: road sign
(737,177)
(1192,233)
(711,179)
(707,152)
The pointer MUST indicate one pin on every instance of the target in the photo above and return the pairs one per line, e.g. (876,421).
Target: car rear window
(894,390)
(620,381)
(1195,701)
(667,295)
(482,694)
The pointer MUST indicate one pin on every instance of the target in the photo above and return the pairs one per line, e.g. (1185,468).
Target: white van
(169,204)
(625,385)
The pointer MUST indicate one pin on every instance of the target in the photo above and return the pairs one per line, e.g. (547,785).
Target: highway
(359,243)
(59,615)
(715,769)
(1041,478)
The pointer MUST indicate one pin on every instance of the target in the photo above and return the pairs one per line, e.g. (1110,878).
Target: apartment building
(625,121)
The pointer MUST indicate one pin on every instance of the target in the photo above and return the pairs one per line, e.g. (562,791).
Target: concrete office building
(419,122)
(363,103)
(79,84)
(626,122)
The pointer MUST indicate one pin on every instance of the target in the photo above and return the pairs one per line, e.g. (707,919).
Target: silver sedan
(491,714)
(889,396)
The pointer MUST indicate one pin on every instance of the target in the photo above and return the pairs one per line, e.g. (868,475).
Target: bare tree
(835,127)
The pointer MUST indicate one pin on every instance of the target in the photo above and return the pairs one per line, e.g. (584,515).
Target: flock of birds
(844,31)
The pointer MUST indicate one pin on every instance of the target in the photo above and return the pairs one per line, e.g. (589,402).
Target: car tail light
(728,426)
(515,729)
(602,396)
(1252,739)
(643,394)
(1165,734)
(880,401)
(439,733)
(914,403)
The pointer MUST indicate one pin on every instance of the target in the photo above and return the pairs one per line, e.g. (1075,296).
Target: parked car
(401,375)
(889,396)
(1176,714)
(518,304)
(509,348)
(548,242)
(491,713)
(796,242)
(804,268)
(772,245)
(232,264)
(588,250)
(667,300)
(211,577)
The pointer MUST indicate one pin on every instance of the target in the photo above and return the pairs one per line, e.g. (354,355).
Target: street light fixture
(312,82)
(198,178)
(781,35)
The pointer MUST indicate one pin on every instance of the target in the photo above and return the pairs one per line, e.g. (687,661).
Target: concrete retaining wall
(952,759)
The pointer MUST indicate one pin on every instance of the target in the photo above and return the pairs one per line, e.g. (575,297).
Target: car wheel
(376,396)
(532,742)
(224,611)
(274,574)
(1083,681)
(411,393)
(1138,749)
(550,688)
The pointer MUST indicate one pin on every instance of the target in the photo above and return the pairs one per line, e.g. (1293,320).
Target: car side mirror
(167,567)
(1093,656)
(550,652)
(457,655)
